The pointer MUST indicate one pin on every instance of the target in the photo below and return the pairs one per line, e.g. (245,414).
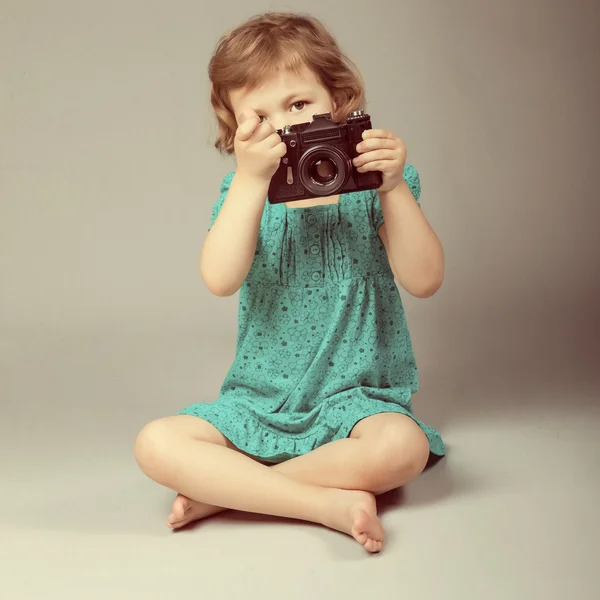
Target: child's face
(285,99)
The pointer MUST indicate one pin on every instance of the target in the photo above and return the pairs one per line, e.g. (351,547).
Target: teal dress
(323,340)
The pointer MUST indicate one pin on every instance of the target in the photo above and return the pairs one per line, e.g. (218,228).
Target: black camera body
(319,157)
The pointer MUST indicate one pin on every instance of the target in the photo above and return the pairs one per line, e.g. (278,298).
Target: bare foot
(355,513)
(185,511)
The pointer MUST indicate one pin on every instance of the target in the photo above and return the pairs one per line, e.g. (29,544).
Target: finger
(262,132)
(378,133)
(272,140)
(248,125)
(374,155)
(376,165)
(269,143)
(376,143)
(246,115)
(280,150)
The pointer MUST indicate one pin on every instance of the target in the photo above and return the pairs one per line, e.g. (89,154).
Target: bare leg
(384,452)
(196,469)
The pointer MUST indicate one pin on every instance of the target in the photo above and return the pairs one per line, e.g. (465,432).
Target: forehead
(277,87)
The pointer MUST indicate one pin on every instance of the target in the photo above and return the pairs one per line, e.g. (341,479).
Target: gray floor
(511,513)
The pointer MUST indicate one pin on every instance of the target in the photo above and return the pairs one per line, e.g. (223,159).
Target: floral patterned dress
(323,340)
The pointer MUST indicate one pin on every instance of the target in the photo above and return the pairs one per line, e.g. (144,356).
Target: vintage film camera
(319,157)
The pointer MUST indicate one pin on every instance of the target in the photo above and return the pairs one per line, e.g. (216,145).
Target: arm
(229,248)
(414,251)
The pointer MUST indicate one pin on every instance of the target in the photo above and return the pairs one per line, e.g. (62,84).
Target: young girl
(314,418)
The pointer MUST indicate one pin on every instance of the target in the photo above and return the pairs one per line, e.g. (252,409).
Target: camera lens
(322,171)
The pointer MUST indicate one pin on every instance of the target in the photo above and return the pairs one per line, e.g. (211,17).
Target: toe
(176,523)
(180,507)
(361,538)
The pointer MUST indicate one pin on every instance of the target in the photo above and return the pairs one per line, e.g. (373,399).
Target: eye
(262,119)
(300,105)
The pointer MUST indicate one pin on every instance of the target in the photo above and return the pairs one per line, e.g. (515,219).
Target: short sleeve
(219,203)
(411,176)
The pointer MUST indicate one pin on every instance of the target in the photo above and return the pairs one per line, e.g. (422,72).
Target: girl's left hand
(383,151)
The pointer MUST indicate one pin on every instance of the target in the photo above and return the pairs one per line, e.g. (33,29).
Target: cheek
(293,119)
(329,104)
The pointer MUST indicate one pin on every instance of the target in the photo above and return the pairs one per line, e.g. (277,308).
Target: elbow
(217,285)
(428,281)
(428,288)
(425,292)
(222,292)
(220,288)
(423,287)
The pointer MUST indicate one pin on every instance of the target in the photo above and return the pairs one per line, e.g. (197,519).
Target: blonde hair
(266,43)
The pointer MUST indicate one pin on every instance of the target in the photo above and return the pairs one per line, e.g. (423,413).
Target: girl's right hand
(258,147)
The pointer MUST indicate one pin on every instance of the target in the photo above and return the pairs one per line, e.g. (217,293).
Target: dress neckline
(316,207)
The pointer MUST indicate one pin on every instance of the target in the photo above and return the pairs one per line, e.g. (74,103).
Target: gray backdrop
(108,174)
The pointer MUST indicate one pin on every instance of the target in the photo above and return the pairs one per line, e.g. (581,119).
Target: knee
(400,454)
(150,444)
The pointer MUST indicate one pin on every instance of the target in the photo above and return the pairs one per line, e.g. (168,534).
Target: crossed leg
(333,485)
